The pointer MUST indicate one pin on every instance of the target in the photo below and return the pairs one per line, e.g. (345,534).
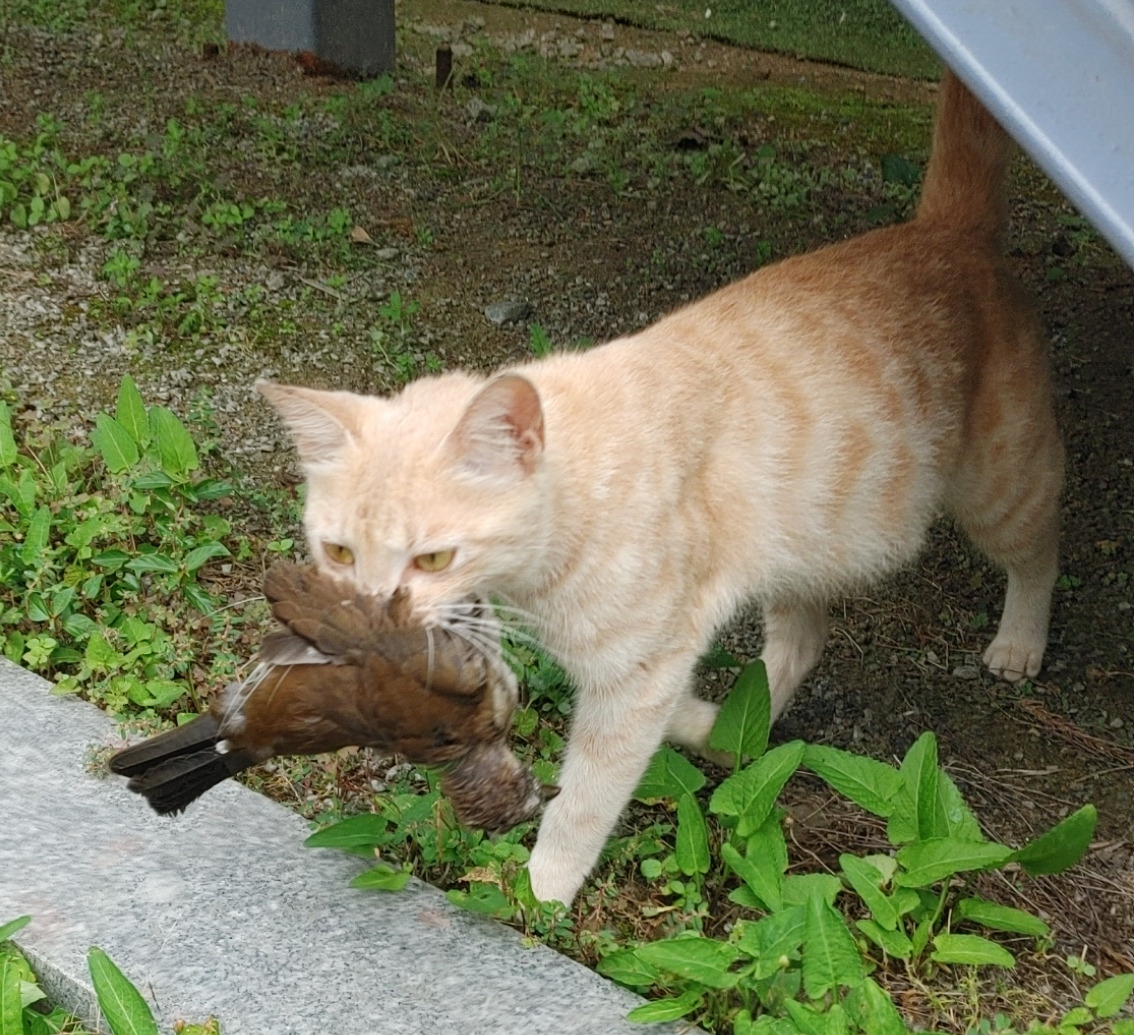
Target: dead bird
(348,670)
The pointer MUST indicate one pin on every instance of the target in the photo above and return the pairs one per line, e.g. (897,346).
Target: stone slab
(355,36)
(222,911)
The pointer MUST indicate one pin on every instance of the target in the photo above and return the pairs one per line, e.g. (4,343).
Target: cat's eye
(339,554)
(436,561)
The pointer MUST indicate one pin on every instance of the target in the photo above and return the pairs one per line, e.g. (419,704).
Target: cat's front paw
(1014,659)
(553,879)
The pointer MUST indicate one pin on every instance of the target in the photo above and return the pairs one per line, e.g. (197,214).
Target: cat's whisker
(429,658)
(513,612)
(516,632)
(490,649)
(234,701)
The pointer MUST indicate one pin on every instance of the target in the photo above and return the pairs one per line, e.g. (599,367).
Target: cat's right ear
(320,422)
(500,434)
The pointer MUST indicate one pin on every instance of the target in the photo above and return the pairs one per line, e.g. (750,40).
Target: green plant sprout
(99,544)
(123,1008)
(800,958)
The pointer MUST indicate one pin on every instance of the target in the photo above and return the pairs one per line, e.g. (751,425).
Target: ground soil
(902,659)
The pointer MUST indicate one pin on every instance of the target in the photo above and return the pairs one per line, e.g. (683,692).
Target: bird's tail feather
(202,732)
(176,767)
(172,784)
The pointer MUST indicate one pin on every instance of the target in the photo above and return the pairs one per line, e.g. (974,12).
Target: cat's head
(439,489)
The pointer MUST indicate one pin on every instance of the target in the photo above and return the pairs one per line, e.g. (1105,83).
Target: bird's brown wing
(337,619)
(349,627)
(310,709)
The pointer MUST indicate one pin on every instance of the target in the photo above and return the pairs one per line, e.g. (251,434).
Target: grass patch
(866,34)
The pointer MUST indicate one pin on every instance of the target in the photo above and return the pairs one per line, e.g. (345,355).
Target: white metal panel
(1059,75)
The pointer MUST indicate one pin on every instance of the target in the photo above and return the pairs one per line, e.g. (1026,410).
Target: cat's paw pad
(1014,660)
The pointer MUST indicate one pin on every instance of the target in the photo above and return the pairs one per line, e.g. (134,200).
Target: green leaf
(769,841)
(1001,918)
(900,170)
(175,445)
(695,958)
(810,1020)
(196,557)
(366,829)
(926,862)
(627,968)
(130,412)
(12,491)
(760,873)
(1122,1028)
(751,793)
(199,598)
(874,1011)
(830,957)
(666,1009)
(115,444)
(382,877)
(1109,996)
(692,837)
(11,999)
(745,718)
(919,773)
(970,948)
(153,481)
(62,600)
(212,489)
(482,898)
(7,439)
(867,883)
(36,537)
(13,926)
(161,693)
(959,819)
(1062,846)
(867,782)
(893,943)
(669,775)
(37,607)
(121,1003)
(773,940)
(800,888)
(157,562)
(112,559)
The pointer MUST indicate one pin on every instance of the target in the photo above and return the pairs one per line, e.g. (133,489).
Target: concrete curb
(223,911)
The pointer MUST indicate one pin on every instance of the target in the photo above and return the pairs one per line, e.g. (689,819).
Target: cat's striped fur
(788,438)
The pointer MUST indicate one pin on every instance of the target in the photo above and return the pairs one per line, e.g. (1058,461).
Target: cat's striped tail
(964,183)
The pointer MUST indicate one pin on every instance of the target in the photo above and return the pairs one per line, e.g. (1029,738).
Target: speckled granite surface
(223,912)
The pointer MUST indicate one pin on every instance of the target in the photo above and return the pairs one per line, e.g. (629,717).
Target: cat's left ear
(321,423)
(500,434)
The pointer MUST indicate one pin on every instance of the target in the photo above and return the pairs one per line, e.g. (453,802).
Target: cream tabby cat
(786,439)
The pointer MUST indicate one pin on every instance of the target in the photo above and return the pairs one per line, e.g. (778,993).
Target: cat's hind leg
(1021,537)
(795,634)
(690,726)
(1006,499)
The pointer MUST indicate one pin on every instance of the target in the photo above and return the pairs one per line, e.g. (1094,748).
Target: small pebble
(501,313)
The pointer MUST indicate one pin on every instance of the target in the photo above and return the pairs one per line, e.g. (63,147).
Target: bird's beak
(548,791)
